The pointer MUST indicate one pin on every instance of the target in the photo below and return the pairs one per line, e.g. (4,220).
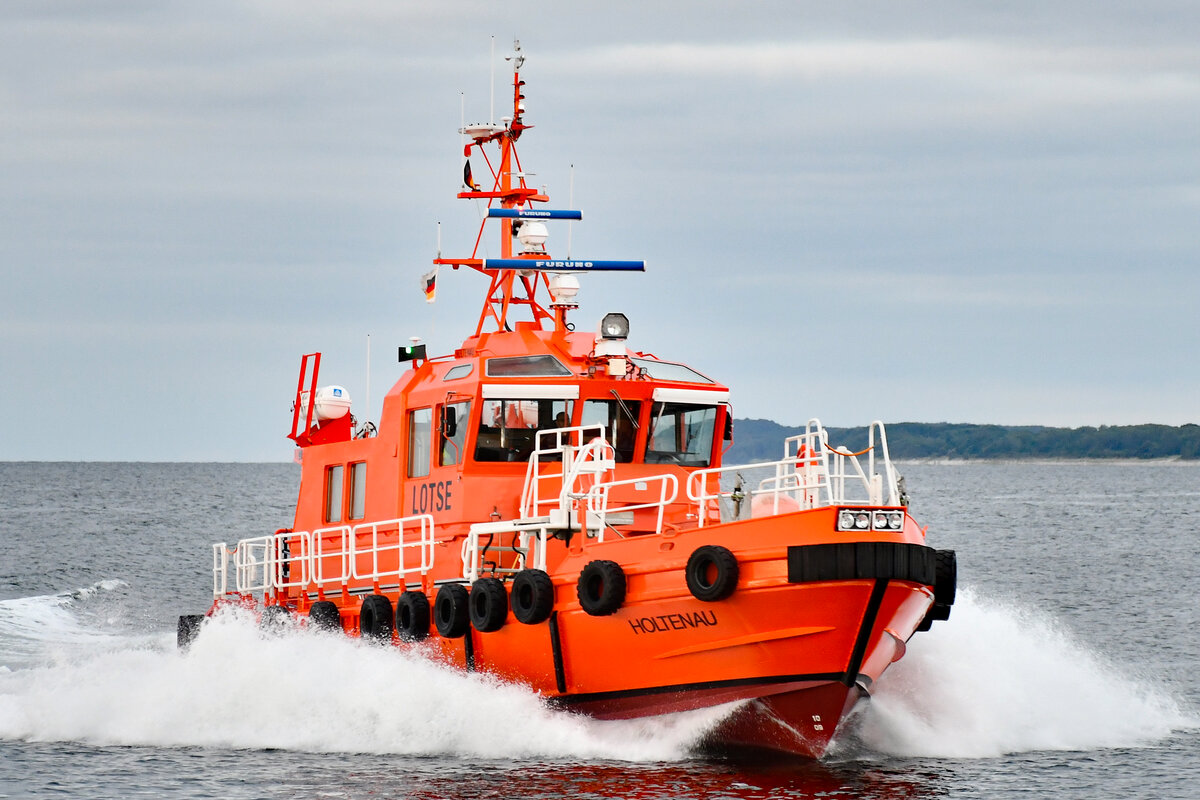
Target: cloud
(1011,190)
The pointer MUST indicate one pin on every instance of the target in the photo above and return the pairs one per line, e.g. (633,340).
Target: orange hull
(801,651)
(804,653)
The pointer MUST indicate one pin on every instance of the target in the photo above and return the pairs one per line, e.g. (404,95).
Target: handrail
(811,474)
(286,563)
(253,562)
(557,442)
(531,532)
(319,555)
(220,568)
(893,483)
(598,500)
(269,563)
(424,544)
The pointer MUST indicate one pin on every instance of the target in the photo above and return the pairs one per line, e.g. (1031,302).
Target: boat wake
(993,680)
(237,687)
(43,628)
(1000,679)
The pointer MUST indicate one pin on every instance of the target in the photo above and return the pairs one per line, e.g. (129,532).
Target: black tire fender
(532,596)
(489,605)
(188,630)
(601,588)
(945,582)
(412,616)
(450,610)
(274,619)
(375,619)
(325,616)
(711,573)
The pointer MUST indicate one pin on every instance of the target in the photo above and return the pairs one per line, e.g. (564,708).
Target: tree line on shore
(762,440)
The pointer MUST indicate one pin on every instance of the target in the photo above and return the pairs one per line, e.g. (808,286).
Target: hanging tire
(601,588)
(945,578)
(375,619)
(936,613)
(945,586)
(188,630)
(274,619)
(532,596)
(712,573)
(412,616)
(451,610)
(324,615)
(489,605)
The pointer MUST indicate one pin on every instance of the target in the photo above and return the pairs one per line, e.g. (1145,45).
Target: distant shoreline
(758,440)
(762,440)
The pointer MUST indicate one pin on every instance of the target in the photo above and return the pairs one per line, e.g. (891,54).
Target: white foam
(999,679)
(304,691)
(35,629)
(995,679)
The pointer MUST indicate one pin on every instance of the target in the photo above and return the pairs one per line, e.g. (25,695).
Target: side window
(358,490)
(420,436)
(333,493)
(619,426)
(451,450)
(508,428)
(681,433)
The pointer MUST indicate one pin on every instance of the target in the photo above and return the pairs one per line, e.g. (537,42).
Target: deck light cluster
(614,326)
(610,344)
(866,519)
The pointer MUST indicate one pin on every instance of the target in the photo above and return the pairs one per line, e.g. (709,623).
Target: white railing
(369,556)
(812,474)
(526,547)
(542,513)
(599,506)
(253,562)
(848,480)
(331,544)
(554,446)
(324,557)
(292,558)
(252,566)
(220,551)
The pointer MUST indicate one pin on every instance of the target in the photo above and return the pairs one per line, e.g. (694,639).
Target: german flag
(467,180)
(429,284)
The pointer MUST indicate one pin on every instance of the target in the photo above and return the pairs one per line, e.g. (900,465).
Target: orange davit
(552,507)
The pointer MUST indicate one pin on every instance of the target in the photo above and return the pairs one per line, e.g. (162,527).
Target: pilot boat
(550,506)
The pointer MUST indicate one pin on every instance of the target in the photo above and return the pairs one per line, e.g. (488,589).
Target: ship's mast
(508,191)
(515,277)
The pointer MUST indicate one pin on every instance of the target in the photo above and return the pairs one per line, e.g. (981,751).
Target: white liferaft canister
(333,402)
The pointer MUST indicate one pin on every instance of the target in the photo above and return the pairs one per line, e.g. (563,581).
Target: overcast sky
(964,212)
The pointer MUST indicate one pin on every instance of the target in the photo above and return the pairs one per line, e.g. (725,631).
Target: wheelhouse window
(681,433)
(358,490)
(420,438)
(526,367)
(458,371)
(620,421)
(451,450)
(333,493)
(669,371)
(508,428)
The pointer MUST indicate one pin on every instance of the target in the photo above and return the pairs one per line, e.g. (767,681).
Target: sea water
(1068,665)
